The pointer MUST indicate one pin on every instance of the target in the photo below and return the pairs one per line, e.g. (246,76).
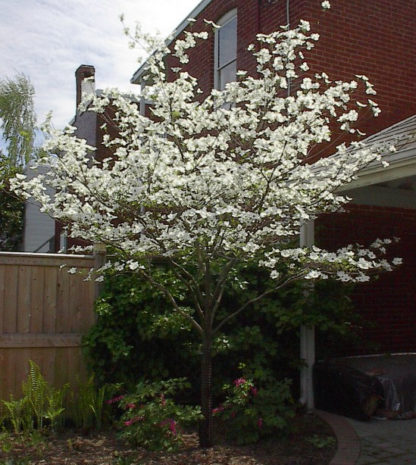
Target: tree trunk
(206,426)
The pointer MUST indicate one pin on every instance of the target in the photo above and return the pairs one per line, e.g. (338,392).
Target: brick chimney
(84,87)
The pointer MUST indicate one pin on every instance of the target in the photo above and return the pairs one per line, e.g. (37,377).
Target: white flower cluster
(353,263)
(204,182)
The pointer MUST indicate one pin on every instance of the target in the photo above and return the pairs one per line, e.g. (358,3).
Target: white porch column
(307,334)
(100,251)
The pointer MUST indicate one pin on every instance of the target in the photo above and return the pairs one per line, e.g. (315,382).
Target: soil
(310,443)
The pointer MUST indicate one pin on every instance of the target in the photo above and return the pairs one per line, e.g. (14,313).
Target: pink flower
(260,422)
(131,406)
(172,426)
(239,381)
(133,420)
(115,399)
(254,391)
(217,410)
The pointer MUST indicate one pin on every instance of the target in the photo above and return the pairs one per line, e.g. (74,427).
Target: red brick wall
(201,64)
(373,37)
(376,38)
(389,302)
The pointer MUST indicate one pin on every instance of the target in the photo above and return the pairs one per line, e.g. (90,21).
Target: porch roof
(402,162)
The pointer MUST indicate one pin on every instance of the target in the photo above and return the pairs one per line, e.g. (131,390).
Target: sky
(48,39)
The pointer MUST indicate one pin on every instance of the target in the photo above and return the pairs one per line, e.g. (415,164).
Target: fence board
(21,341)
(74,313)
(7,375)
(43,313)
(10,300)
(2,302)
(63,315)
(24,300)
(37,307)
(49,298)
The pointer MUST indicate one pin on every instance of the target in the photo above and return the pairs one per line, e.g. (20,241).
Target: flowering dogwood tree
(209,183)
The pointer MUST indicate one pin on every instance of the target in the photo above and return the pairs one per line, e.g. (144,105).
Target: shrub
(137,336)
(88,407)
(152,419)
(249,414)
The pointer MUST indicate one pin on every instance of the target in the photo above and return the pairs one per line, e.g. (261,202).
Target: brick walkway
(375,442)
(348,449)
(386,442)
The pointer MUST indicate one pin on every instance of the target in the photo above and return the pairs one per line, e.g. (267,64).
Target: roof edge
(135,79)
(402,164)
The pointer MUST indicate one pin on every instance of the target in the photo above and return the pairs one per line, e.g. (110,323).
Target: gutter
(402,164)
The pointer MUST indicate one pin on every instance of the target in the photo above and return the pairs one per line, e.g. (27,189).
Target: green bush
(88,406)
(249,414)
(152,419)
(138,336)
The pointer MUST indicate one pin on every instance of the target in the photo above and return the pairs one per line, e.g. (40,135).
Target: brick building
(89,126)
(375,38)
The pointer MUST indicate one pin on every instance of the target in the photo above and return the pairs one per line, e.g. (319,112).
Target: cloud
(48,39)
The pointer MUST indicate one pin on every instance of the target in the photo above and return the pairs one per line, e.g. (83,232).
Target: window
(226,50)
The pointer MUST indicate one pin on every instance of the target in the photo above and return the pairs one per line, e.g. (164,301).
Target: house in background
(39,228)
(87,127)
(41,233)
(375,38)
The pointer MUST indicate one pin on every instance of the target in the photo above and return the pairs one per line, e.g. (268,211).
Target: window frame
(224,20)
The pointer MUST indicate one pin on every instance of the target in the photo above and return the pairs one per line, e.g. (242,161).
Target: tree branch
(172,300)
(256,299)
(193,290)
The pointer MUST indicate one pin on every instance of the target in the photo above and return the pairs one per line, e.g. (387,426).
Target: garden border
(348,443)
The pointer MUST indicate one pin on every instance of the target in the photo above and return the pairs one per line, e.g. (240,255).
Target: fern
(89,406)
(18,414)
(40,402)
(55,407)
(35,389)
(80,410)
(97,406)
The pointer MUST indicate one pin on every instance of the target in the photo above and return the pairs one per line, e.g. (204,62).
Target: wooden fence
(44,311)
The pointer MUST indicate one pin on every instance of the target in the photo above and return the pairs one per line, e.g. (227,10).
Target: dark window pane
(227,74)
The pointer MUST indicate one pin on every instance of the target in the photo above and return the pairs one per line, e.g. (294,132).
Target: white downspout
(307,334)
(142,99)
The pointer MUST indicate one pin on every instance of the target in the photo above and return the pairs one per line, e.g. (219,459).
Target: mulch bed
(106,449)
